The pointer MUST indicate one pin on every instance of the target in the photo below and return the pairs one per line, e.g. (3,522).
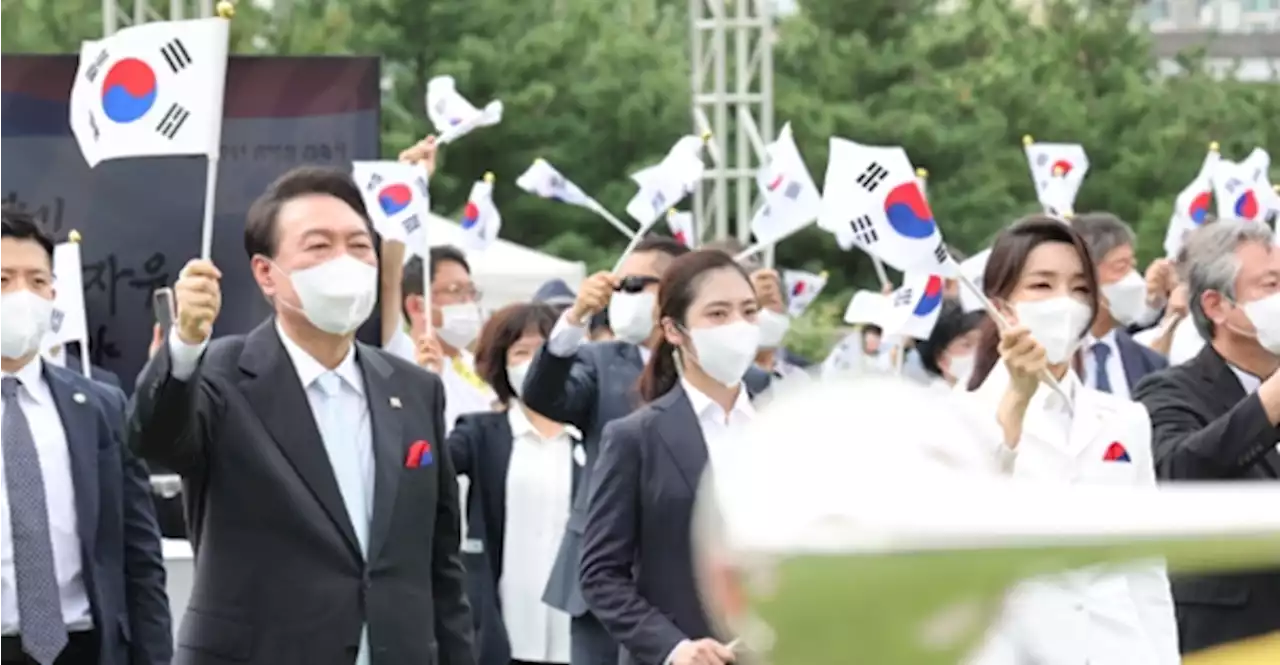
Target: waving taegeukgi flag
(480,219)
(680,223)
(1058,170)
(802,288)
(871,199)
(68,323)
(1237,191)
(452,115)
(668,182)
(396,197)
(791,199)
(1191,208)
(914,306)
(150,90)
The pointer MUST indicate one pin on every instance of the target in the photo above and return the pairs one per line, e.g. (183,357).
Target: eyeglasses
(457,292)
(635,283)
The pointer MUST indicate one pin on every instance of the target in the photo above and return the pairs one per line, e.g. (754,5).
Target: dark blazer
(123,564)
(480,447)
(1138,360)
(637,557)
(72,362)
(1205,428)
(280,578)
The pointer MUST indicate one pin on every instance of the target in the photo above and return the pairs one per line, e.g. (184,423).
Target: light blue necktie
(341,435)
(43,632)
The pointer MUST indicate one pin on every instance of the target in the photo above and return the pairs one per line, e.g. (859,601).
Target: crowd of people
(321,474)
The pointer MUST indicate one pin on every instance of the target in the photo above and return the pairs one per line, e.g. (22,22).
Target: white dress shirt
(1114,364)
(720,429)
(567,336)
(539,489)
(338,403)
(60,498)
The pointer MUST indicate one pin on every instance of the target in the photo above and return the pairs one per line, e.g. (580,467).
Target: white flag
(542,179)
(914,307)
(802,288)
(973,268)
(1191,208)
(666,184)
(871,199)
(1058,170)
(395,195)
(452,115)
(151,90)
(480,219)
(68,322)
(791,199)
(681,225)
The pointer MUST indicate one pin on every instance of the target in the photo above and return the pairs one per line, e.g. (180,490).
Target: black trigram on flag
(792,191)
(902,297)
(940,253)
(172,121)
(873,176)
(175,54)
(658,202)
(421,183)
(411,224)
(864,230)
(374,181)
(56,319)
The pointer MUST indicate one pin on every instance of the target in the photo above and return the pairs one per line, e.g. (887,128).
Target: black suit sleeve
(466,435)
(454,630)
(172,420)
(609,543)
(1186,448)
(148,604)
(562,389)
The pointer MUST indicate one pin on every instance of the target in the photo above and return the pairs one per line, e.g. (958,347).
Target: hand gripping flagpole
(86,364)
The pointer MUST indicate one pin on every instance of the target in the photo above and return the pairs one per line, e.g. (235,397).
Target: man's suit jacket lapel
(277,396)
(1131,359)
(678,429)
(80,421)
(389,446)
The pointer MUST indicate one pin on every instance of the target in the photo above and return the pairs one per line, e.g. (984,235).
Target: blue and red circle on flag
(1246,206)
(128,90)
(1198,211)
(394,198)
(931,299)
(908,212)
(470,215)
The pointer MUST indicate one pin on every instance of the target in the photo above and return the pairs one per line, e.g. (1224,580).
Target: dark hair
(411,275)
(261,231)
(20,225)
(663,244)
(680,285)
(953,322)
(1004,267)
(503,329)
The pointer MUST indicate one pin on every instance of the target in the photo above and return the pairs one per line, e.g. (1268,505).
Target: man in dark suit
(1113,362)
(63,357)
(322,504)
(83,575)
(1217,416)
(589,385)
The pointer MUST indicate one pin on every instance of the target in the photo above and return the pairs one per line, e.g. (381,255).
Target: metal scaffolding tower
(124,13)
(732,62)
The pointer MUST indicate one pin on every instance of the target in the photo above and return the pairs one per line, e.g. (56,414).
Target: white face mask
(961,368)
(1264,314)
(460,324)
(337,295)
(516,374)
(631,316)
(773,327)
(1127,298)
(25,317)
(1057,323)
(726,352)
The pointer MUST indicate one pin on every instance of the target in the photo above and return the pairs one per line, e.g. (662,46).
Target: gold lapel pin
(78,398)
(395,402)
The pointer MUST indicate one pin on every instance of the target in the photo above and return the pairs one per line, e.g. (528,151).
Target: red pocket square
(419,454)
(1116,452)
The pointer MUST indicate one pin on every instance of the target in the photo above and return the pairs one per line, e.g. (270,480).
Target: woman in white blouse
(1040,276)
(523,468)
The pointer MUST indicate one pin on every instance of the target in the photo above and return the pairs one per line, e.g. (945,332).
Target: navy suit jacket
(588,390)
(637,557)
(123,564)
(480,447)
(1138,360)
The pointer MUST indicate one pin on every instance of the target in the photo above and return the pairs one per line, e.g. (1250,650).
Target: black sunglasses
(635,283)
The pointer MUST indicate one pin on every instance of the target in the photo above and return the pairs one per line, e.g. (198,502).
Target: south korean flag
(396,196)
(151,90)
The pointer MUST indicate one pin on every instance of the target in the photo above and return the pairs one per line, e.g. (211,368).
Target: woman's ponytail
(660,373)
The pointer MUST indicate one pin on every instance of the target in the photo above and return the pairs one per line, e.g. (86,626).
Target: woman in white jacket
(1040,276)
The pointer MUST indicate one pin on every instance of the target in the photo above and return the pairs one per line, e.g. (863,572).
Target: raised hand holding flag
(452,115)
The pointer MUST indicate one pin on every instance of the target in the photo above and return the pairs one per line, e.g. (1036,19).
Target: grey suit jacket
(637,557)
(280,578)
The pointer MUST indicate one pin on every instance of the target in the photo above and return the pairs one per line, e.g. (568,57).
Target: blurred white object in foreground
(865,519)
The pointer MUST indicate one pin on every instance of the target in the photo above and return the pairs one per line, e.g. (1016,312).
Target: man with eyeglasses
(456,320)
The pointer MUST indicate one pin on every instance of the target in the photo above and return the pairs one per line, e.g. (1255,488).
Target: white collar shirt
(719,427)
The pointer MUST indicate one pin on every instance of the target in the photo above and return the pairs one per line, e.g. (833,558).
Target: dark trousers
(590,643)
(81,649)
